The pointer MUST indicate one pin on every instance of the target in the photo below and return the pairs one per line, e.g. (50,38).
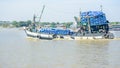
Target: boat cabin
(94,22)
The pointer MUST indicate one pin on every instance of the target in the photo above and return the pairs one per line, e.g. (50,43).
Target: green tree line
(51,24)
(114,23)
(28,22)
(21,23)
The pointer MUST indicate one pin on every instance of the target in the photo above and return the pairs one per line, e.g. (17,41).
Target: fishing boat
(93,25)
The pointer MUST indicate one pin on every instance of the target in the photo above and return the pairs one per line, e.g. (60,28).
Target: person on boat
(106,30)
(107,26)
(32,27)
(83,30)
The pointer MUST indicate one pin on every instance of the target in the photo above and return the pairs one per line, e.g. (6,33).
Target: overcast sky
(56,10)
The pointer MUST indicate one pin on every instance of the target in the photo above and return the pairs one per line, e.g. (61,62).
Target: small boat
(115,27)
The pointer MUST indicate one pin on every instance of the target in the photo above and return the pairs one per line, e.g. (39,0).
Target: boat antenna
(101,8)
(80,11)
(34,18)
(41,14)
(80,16)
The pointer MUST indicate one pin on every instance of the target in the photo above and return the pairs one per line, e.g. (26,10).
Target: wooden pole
(89,28)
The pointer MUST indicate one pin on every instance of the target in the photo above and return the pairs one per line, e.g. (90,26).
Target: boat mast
(41,14)
(88,20)
(89,28)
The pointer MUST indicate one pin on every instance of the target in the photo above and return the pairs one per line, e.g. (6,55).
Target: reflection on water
(17,51)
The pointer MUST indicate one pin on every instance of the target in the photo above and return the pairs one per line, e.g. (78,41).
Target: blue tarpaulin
(55,31)
(95,18)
